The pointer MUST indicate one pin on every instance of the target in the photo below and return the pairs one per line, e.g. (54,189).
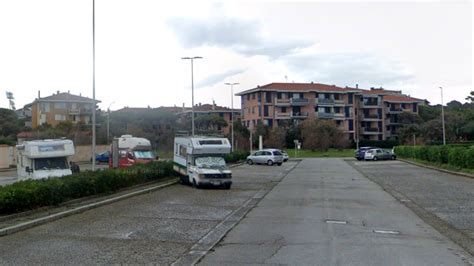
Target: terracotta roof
(65,97)
(400,98)
(299,87)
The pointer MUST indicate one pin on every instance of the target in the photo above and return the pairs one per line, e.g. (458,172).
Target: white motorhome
(200,161)
(44,158)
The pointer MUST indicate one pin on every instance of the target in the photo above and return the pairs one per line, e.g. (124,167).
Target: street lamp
(232,109)
(108,121)
(442,117)
(192,90)
(93,85)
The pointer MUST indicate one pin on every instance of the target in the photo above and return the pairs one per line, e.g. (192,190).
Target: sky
(413,46)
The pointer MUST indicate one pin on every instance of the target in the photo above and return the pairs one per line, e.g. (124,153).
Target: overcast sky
(415,47)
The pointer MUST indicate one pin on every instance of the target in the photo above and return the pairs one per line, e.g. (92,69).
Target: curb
(43,220)
(437,169)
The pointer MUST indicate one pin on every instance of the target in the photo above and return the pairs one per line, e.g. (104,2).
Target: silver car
(267,156)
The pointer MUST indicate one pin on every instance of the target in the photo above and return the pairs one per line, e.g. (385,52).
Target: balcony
(371,104)
(282,102)
(324,101)
(282,115)
(371,131)
(74,111)
(325,115)
(339,102)
(79,111)
(395,110)
(371,117)
(299,114)
(391,122)
(339,116)
(299,101)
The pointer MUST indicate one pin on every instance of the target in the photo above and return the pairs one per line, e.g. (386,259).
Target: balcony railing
(372,117)
(79,111)
(282,102)
(371,131)
(371,104)
(299,101)
(299,114)
(395,110)
(282,115)
(339,115)
(339,102)
(325,115)
(319,101)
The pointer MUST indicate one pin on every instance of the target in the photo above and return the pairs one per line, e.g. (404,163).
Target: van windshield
(210,162)
(51,163)
(144,154)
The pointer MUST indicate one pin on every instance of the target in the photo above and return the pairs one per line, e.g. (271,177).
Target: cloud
(241,36)
(219,77)
(349,68)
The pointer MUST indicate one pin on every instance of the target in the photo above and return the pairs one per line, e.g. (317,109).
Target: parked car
(102,157)
(266,156)
(285,155)
(359,154)
(379,154)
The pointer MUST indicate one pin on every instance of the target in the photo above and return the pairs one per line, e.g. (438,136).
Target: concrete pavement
(326,213)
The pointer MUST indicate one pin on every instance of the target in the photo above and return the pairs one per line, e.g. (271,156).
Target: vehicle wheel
(394,157)
(359,159)
(279,164)
(195,185)
(249,162)
(227,186)
(375,158)
(270,162)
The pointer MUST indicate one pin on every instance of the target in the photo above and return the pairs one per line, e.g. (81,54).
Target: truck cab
(200,161)
(39,159)
(132,150)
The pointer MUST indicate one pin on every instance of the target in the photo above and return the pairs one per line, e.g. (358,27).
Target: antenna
(286,78)
(10,100)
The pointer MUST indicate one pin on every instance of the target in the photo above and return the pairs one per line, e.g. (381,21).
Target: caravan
(44,158)
(200,161)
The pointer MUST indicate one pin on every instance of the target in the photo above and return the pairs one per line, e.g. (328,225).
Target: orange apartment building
(361,114)
(60,107)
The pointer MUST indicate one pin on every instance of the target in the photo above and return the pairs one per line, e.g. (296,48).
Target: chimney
(213,105)
(199,104)
(39,94)
(357,86)
(57,92)
(312,82)
(68,91)
(184,109)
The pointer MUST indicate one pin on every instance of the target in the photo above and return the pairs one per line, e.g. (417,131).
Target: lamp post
(93,85)
(192,90)
(232,109)
(442,117)
(108,122)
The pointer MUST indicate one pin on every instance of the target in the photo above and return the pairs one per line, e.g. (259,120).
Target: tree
(322,134)
(470,97)
(209,123)
(241,136)
(276,138)
(10,125)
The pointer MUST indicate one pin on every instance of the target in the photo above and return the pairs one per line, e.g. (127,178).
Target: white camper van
(200,161)
(44,158)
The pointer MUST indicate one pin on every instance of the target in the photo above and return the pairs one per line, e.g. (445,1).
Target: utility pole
(93,85)
(192,90)
(232,110)
(442,117)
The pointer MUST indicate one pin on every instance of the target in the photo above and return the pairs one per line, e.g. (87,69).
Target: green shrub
(31,194)
(236,156)
(454,155)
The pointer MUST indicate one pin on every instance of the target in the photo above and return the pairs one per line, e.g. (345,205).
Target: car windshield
(51,163)
(143,154)
(210,162)
(277,153)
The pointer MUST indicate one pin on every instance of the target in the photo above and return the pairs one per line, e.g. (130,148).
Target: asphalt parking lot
(449,197)
(156,228)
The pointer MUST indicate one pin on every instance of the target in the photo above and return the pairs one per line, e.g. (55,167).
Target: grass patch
(442,166)
(321,154)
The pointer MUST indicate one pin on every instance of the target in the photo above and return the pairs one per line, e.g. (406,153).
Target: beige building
(361,114)
(60,107)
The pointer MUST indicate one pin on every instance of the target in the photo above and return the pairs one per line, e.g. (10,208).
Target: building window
(351,125)
(403,106)
(336,96)
(337,110)
(44,107)
(268,97)
(59,105)
(415,108)
(338,122)
(283,109)
(351,98)
(59,117)
(265,110)
(253,96)
(248,97)
(253,110)
(278,95)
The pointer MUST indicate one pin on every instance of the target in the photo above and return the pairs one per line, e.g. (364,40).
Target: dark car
(360,153)
(102,157)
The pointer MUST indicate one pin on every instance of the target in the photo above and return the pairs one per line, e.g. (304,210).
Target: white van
(39,159)
(200,161)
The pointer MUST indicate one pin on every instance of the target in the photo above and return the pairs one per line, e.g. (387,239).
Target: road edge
(437,168)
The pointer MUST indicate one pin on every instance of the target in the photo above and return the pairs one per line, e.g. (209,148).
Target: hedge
(32,194)
(454,155)
(236,156)
(385,144)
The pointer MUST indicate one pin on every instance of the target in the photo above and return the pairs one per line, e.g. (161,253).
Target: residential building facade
(361,114)
(60,107)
